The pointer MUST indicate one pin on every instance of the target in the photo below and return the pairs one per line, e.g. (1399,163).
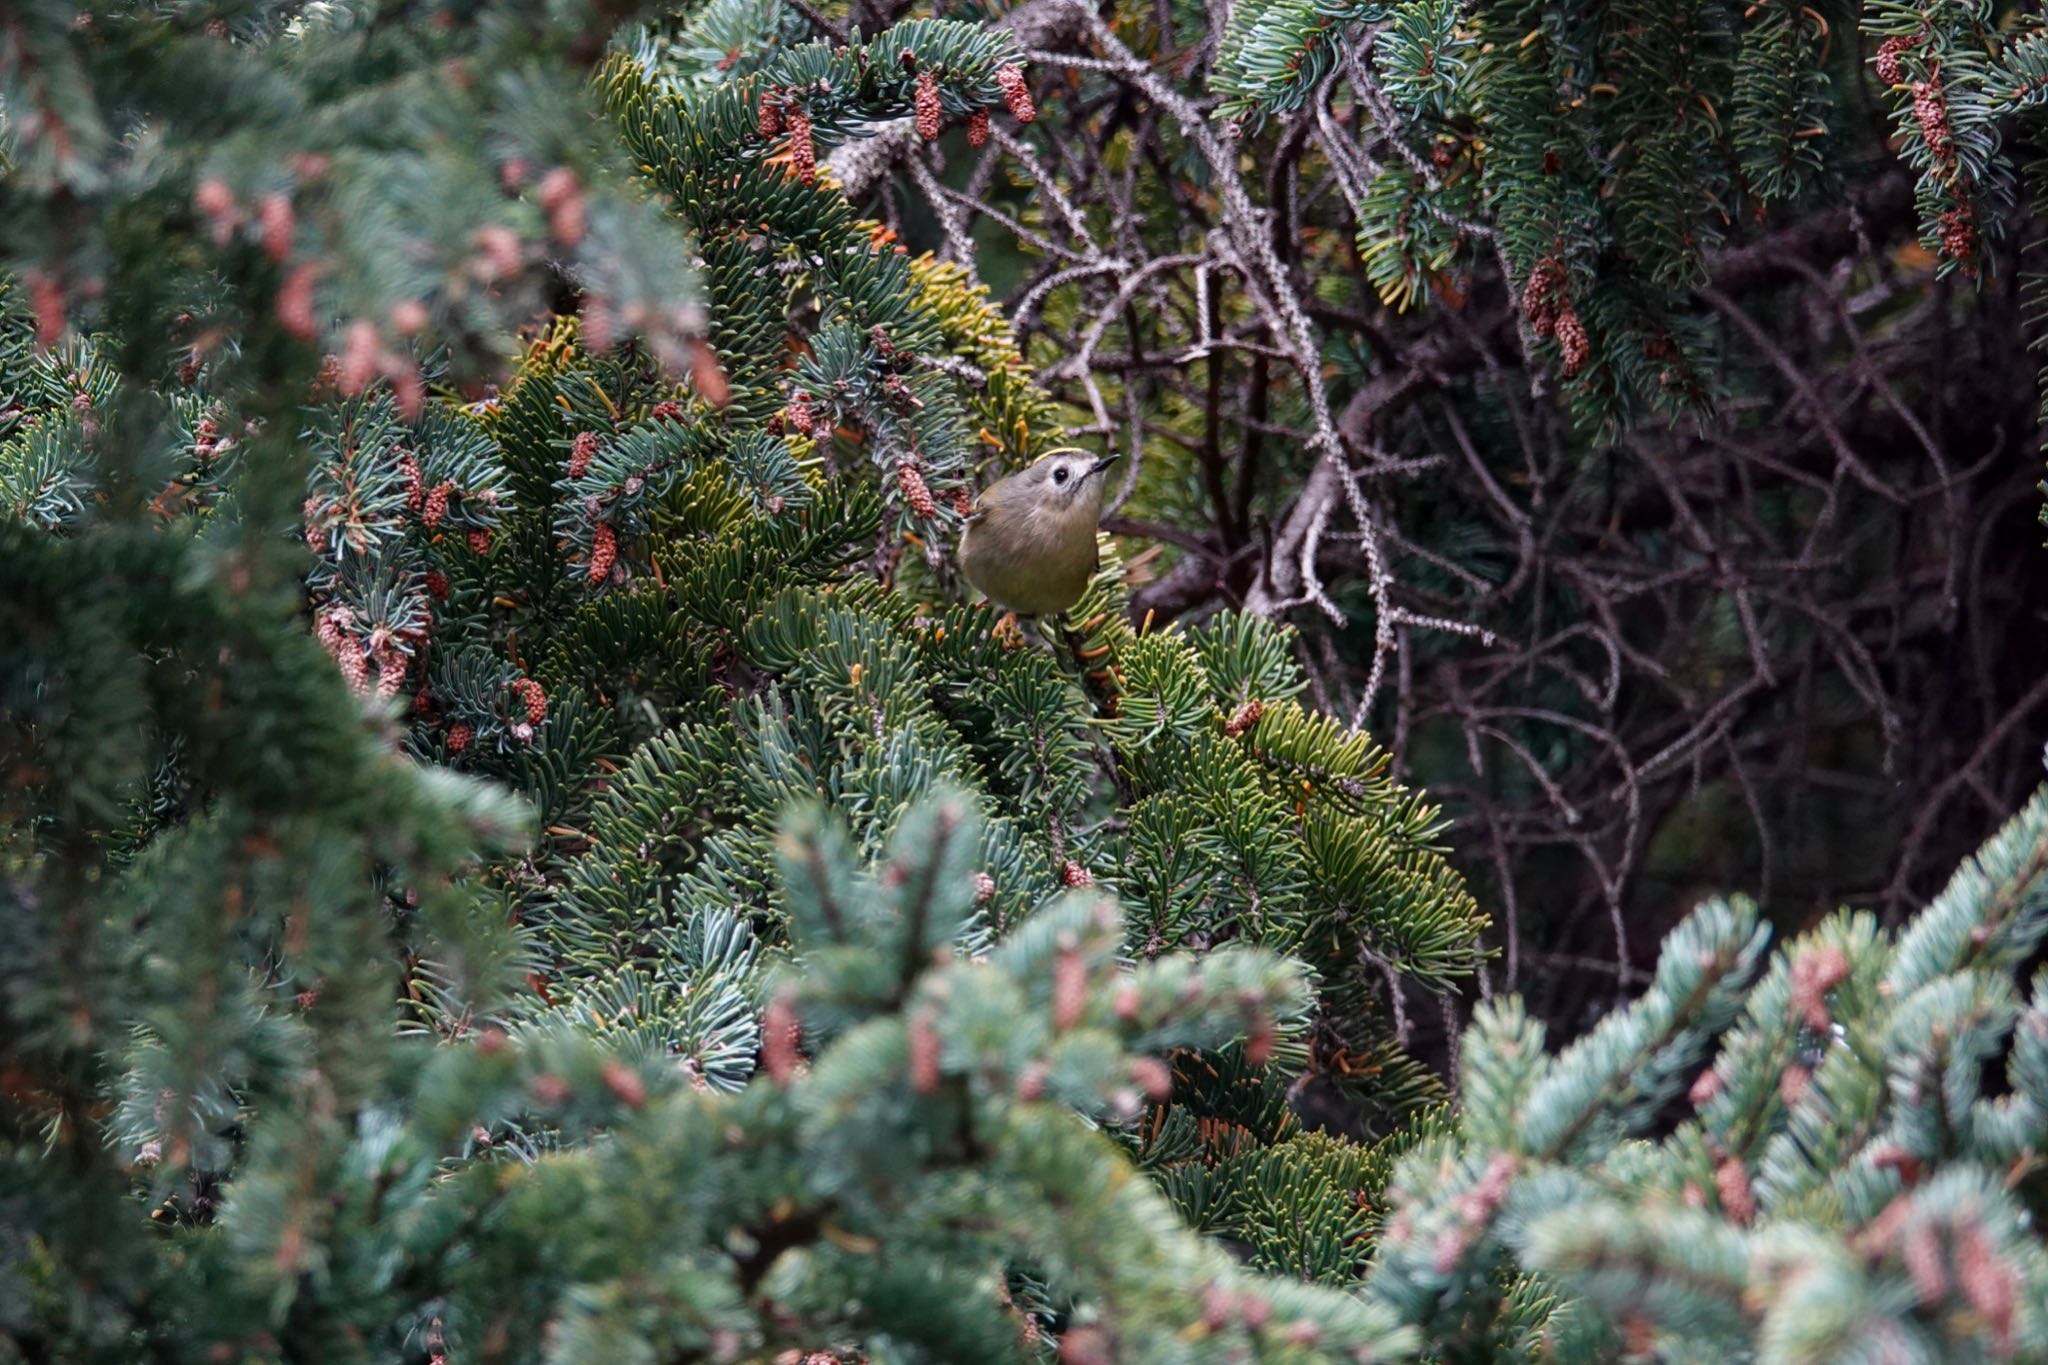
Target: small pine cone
(422,702)
(624,1083)
(479,541)
(1705,1088)
(437,584)
(1073,874)
(963,502)
(355,666)
(316,535)
(1815,972)
(1069,989)
(46,296)
(1959,236)
(1792,1083)
(280,225)
(604,552)
(801,419)
(915,492)
(1543,296)
(1572,341)
(561,198)
(770,114)
(984,888)
(409,316)
(328,630)
(667,410)
(459,736)
(359,356)
(780,1034)
(977,128)
(1731,1179)
(929,114)
(1990,1282)
(600,324)
(1153,1076)
(1244,718)
(415,485)
(435,507)
(1016,94)
(803,152)
(295,302)
(214,199)
(580,452)
(1889,53)
(498,251)
(884,346)
(924,1054)
(391,669)
(1930,111)
(535,697)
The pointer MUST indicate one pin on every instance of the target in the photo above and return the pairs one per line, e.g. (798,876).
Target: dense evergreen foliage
(519,843)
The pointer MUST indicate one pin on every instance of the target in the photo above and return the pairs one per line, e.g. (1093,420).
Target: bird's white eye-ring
(1060,475)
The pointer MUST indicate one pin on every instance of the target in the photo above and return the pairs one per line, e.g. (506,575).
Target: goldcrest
(1030,542)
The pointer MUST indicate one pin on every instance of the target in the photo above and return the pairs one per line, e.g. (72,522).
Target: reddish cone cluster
(1572,341)
(984,888)
(929,115)
(667,410)
(359,352)
(1475,1209)
(479,541)
(915,491)
(580,452)
(1889,55)
(924,1054)
(977,128)
(770,114)
(1731,1180)
(279,224)
(435,510)
(624,1083)
(1244,718)
(313,509)
(798,414)
(1543,297)
(330,628)
(1016,94)
(295,302)
(780,1034)
(216,201)
(535,697)
(803,152)
(1958,228)
(459,736)
(561,198)
(415,483)
(604,552)
(1073,874)
(1930,111)
(1069,988)
(1815,972)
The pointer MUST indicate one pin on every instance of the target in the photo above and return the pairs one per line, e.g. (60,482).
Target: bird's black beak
(1104,463)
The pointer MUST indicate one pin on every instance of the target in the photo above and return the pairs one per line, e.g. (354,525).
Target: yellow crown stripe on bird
(1030,545)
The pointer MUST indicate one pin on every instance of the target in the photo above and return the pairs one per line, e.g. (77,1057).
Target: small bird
(1030,541)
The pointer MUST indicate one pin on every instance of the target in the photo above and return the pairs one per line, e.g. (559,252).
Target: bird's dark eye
(1059,475)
